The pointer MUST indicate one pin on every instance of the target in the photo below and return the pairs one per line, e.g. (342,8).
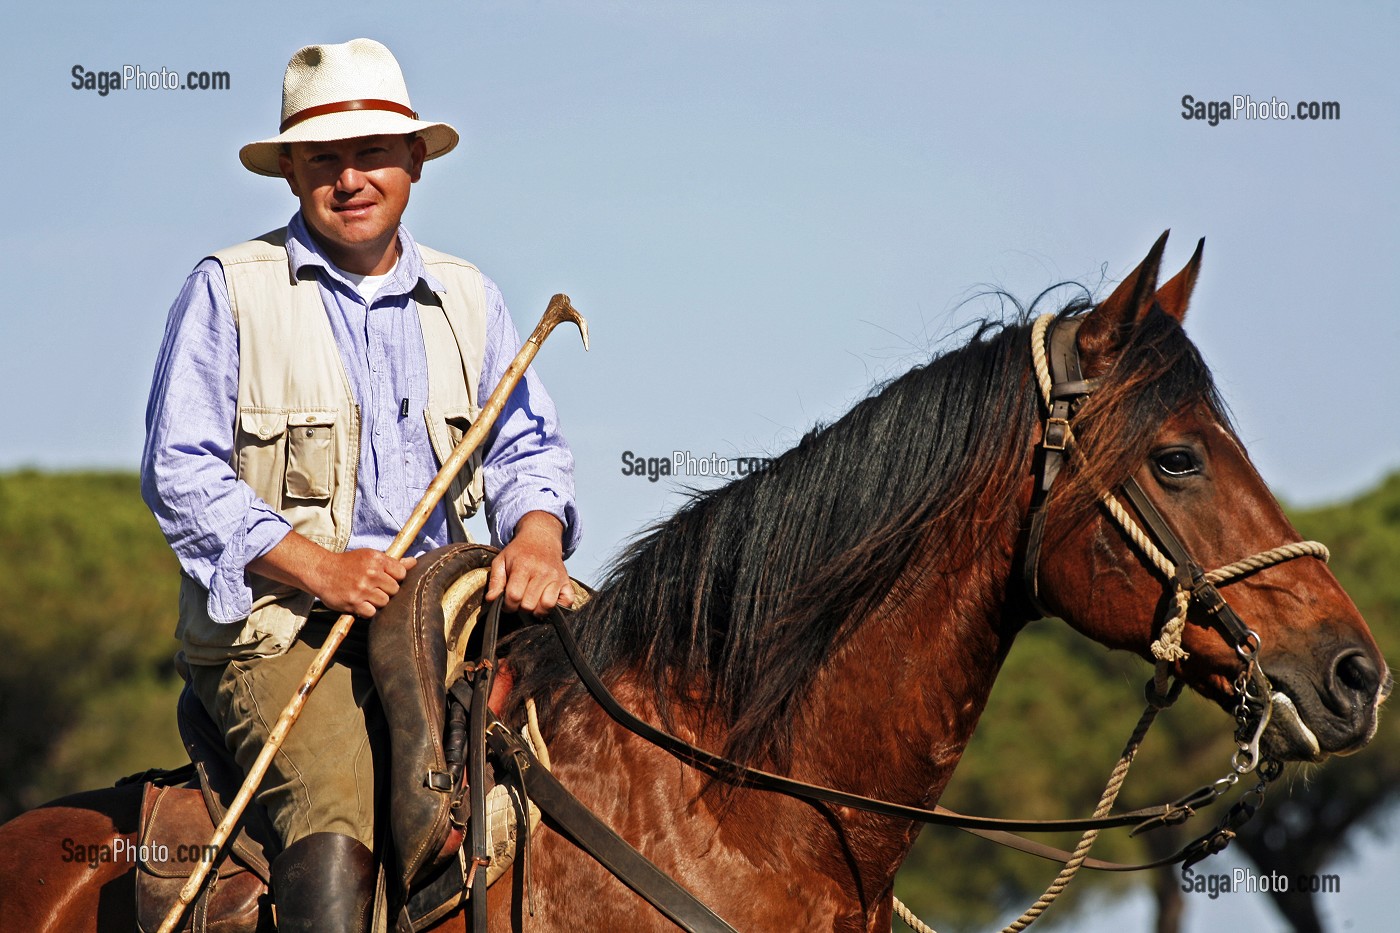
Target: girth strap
(596,838)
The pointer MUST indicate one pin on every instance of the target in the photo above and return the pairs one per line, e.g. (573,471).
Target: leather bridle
(1068,391)
(1063,389)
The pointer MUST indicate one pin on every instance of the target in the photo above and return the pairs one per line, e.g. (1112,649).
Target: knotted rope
(1166,648)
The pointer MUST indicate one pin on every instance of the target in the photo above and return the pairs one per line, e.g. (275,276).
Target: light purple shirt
(217,525)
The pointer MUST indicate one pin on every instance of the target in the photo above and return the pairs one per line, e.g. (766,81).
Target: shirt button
(265,431)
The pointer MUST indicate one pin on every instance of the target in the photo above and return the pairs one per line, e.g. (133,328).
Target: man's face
(353,193)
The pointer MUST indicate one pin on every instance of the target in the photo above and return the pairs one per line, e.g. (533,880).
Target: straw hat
(333,92)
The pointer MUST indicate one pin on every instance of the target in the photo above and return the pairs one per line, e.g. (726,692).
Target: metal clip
(1249,748)
(1248,648)
(1225,783)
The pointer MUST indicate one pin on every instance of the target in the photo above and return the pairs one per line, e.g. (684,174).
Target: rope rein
(1166,649)
(1086,842)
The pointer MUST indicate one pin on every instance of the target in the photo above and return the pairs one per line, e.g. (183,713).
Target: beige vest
(297,432)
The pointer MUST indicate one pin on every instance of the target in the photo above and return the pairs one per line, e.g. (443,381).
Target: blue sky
(763,208)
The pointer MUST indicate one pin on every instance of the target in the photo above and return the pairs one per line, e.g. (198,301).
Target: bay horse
(840,617)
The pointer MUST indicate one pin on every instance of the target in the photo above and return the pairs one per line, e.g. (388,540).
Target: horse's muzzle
(1328,711)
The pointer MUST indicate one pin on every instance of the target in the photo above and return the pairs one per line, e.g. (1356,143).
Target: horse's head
(1148,412)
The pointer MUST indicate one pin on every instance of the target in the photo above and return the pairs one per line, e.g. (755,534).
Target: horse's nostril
(1358,673)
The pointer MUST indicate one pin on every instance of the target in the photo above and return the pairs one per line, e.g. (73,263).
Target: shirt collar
(304,252)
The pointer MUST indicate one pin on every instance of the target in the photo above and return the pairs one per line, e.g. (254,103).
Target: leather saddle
(418,647)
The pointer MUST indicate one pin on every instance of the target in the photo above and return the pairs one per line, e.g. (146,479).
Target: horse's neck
(906,692)
(892,712)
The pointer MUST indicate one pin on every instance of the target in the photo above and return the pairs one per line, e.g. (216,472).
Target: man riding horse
(310,384)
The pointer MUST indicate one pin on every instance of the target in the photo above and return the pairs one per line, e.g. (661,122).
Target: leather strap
(480,712)
(993,830)
(1068,388)
(1052,854)
(1192,576)
(597,839)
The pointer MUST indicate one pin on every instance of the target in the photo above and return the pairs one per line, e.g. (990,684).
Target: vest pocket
(261,459)
(310,454)
(458,423)
(445,431)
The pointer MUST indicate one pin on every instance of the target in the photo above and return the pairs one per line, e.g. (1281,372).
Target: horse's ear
(1176,294)
(1107,327)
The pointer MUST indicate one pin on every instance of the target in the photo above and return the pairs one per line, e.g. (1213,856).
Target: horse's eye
(1176,463)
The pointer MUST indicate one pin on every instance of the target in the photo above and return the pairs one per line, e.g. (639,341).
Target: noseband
(1063,389)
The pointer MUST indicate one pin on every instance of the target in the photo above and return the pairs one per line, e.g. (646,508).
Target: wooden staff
(559,311)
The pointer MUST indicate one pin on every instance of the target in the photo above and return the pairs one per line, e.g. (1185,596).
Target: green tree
(87,611)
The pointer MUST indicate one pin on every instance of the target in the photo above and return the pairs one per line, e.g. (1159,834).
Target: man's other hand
(530,569)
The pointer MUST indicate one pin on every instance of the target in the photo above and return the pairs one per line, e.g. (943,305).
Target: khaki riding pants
(323,778)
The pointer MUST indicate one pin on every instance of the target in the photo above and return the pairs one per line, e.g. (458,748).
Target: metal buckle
(440,781)
(1056,434)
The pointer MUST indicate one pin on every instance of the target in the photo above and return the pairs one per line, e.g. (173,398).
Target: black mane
(729,607)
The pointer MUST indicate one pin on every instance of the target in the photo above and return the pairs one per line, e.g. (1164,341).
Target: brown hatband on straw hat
(332,92)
